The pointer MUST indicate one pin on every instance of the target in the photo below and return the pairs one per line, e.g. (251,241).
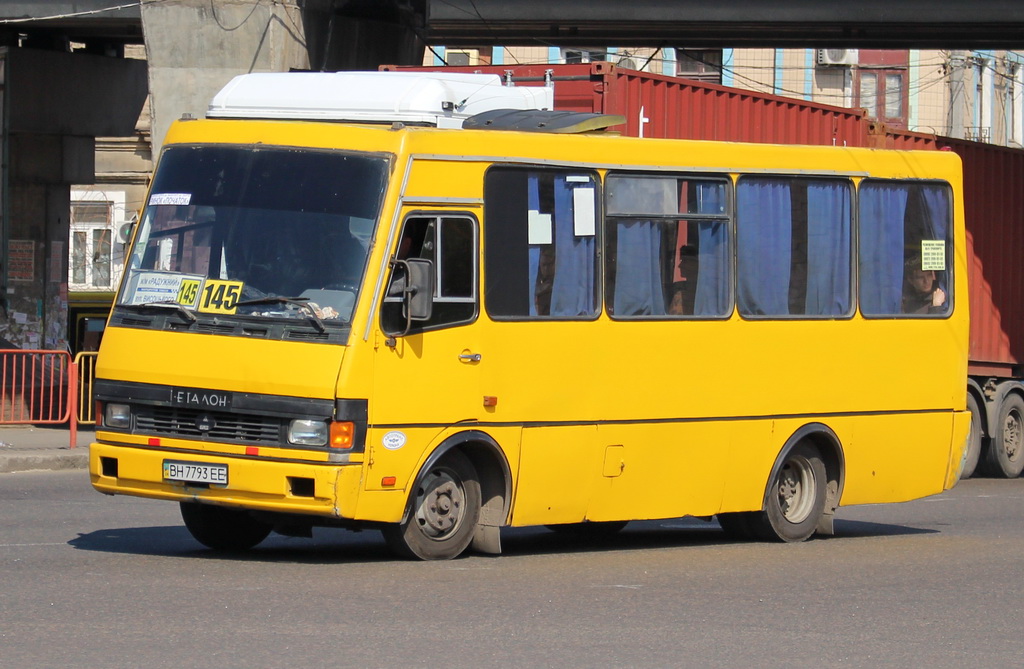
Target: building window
(577,56)
(700,65)
(462,57)
(91,236)
(883,95)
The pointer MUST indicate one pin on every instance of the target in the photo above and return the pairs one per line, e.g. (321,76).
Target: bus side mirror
(417,290)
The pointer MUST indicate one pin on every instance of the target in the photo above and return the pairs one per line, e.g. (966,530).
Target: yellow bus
(439,332)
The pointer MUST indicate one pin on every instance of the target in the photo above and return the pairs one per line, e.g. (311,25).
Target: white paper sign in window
(933,255)
(539,227)
(584,217)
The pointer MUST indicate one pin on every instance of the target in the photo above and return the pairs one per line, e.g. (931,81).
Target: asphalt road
(94,581)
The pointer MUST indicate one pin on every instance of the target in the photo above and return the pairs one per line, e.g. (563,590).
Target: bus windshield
(256,231)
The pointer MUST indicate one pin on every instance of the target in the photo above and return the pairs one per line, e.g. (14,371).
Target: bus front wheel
(221,528)
(443,511)
(796,498)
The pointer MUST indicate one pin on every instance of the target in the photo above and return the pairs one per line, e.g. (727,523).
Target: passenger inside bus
(921,292)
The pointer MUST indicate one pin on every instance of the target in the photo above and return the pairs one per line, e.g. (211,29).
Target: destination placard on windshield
(199,398)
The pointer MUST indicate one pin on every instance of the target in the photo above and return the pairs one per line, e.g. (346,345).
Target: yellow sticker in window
(933,255)
(220,297)
(188,292)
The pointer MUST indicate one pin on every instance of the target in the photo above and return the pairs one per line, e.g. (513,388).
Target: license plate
(195,472)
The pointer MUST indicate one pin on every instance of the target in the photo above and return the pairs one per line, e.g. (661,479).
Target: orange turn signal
(342,434)
(388,481)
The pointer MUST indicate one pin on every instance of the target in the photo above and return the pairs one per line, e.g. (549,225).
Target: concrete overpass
(888,24)
(103,25)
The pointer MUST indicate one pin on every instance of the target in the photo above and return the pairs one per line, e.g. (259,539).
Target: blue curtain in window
(711,297)
(936,203)
(638,282)
(828,249)
(882,209)
(533,204)
(572,293)
(765,231)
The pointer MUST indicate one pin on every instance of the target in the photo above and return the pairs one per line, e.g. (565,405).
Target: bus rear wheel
(223,529)
(972,453)
(795,499)
(443,512)
(1005,456)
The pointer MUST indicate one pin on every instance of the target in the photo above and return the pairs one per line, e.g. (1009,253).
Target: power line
(71,15)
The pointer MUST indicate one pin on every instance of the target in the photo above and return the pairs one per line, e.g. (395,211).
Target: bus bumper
(322,489)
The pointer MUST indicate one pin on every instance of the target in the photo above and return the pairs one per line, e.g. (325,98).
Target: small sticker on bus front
(394,440)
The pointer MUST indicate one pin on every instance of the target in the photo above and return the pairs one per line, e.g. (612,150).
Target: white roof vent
(424,98)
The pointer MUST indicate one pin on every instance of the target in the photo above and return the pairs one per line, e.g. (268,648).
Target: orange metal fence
(34,388)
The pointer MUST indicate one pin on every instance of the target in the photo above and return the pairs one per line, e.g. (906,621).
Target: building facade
(973,95)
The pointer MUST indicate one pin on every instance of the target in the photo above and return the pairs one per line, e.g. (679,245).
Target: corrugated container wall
(661,106)
(669,107)
(994,209)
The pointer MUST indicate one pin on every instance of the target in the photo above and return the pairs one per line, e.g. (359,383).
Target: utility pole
(957,63)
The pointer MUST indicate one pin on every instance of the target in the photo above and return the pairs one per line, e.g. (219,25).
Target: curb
(44,460)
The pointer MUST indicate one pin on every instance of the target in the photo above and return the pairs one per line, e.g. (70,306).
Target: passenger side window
(905,248)
(540,252)
(450,243)
(793,246)
(667,246)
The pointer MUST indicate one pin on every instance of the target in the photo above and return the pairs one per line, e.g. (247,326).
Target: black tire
(738,525)
(795,499)
(443,512)
(973,451)
(223,529)
(1005,454)
(590,530)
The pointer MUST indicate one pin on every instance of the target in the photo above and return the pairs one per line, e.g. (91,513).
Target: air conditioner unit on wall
(837,56)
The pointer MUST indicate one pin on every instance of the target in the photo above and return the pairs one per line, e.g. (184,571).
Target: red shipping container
(669,107)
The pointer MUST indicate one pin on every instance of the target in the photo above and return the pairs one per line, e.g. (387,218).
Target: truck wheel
(795,499)
(223,529)
(443,511)
(973,451)
(1005,456)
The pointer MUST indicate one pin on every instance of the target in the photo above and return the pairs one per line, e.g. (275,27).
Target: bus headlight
(117,415)
(307,432)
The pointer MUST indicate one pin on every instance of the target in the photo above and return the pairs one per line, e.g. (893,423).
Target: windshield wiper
(168,304)
(296,301)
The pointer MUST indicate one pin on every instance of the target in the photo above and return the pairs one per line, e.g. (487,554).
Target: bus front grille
(208,426)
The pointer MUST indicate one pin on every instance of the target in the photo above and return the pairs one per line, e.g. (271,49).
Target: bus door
(426,378)
(544,344)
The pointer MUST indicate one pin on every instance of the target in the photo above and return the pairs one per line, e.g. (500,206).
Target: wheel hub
(1012,436)
(796,489)
(440,505)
